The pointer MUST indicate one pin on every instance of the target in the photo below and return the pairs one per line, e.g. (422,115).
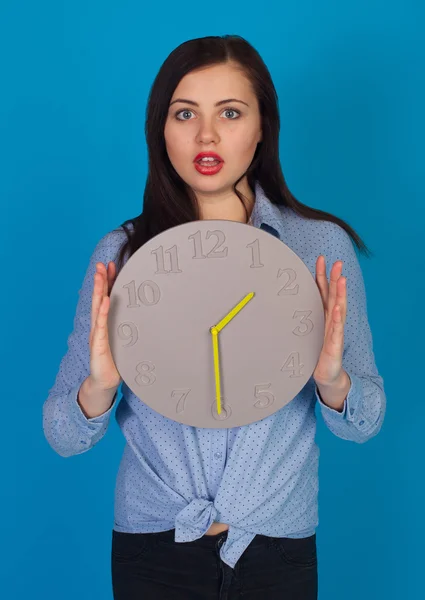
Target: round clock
(215,323)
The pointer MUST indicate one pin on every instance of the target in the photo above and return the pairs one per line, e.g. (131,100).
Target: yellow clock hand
(234,311)
(214,333)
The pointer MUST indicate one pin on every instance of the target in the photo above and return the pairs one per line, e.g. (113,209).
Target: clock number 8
(146,375)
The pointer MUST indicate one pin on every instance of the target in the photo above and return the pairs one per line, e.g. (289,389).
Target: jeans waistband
(210,541)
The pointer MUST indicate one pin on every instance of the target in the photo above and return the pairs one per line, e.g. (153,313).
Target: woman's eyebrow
(185,101)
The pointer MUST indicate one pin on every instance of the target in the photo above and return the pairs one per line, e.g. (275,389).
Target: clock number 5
(265,398)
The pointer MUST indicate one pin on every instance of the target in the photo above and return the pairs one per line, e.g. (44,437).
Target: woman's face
(213,110)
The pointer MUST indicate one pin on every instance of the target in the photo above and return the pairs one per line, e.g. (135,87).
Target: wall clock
(215,323)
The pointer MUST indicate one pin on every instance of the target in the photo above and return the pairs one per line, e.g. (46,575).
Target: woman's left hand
(329,369)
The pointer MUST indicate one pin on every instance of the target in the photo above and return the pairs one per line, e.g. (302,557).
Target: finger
(337,334)
(321,279)
(334,276)
(341,298)
(105,279)
(100,334)
(112,272)
(96,300)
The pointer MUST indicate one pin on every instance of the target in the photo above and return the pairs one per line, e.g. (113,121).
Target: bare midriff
(217,528)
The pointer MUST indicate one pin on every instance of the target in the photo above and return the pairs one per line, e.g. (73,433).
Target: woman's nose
(207,132)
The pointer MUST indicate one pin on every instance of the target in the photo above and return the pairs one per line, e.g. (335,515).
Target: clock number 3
(308,323)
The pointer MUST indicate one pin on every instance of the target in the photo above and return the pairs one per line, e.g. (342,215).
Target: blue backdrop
(74,80)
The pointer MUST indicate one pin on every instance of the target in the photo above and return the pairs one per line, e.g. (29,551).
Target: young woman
(184,525)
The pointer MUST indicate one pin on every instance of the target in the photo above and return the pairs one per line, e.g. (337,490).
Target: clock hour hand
(234,311)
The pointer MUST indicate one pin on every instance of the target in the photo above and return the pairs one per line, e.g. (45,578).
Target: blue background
(74,82)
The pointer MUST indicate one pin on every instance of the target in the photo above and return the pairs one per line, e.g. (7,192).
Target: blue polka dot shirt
(174,476)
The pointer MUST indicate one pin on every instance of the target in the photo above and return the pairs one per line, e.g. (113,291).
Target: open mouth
(208,163)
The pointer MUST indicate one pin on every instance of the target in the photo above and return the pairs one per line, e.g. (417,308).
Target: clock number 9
(127,330)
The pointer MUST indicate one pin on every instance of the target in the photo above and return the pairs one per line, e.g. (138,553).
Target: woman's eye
(235,112)
(183,112)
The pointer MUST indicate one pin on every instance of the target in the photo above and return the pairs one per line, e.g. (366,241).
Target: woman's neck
(226,205)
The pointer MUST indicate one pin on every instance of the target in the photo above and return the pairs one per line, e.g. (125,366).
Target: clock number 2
(286,290)
(215,252)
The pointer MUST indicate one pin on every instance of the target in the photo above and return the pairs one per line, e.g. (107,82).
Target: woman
(185,526)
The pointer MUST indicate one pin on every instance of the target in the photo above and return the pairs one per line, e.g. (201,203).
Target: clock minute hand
(234,311)
(214,334)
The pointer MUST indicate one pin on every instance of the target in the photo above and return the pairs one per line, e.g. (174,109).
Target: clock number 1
(256,261)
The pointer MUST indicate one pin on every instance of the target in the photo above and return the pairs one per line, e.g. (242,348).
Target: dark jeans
(152,566)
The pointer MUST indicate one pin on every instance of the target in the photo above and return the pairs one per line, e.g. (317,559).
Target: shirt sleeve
(364,407)
(66,428)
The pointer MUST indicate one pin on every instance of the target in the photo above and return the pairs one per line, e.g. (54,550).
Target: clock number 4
(293,365)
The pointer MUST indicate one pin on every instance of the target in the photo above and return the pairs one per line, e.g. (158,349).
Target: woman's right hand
(103,372)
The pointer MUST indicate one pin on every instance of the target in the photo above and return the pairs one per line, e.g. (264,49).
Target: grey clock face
(182,282)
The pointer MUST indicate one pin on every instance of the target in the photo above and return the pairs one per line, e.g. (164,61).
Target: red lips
(211,154)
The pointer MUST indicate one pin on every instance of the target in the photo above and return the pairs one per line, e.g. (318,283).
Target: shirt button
(351,411)
(361,423)
(218,455)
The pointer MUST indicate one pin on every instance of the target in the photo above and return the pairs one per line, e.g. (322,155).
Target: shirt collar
(265,214)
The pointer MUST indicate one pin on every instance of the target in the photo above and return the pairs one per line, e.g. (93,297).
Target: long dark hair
(167,200)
